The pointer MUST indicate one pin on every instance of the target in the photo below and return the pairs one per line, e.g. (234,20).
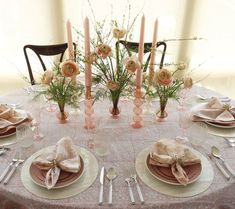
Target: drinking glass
(92,128)
(102,141)
(183,95)
(198,133)
(184,123)
(24,135)
(36,108)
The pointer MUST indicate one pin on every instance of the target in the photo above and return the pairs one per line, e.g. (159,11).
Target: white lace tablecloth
(125,144)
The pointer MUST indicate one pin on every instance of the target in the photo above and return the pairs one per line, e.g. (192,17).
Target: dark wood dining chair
(133,47)
(45,50)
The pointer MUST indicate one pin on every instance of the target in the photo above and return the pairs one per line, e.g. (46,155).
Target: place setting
(219,116)
(10,119)
(59,171)
(174,169)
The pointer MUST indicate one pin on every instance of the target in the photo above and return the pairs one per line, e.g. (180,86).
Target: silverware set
(129,181)
(11,168)
(221,164)
(111,175)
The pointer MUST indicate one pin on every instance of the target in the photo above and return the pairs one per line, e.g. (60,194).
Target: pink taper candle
(87,52)
(70,41)
(154,44)
(140,54)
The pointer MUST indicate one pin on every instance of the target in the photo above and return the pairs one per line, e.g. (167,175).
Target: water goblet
(183,95)
(184,123)
(36,109)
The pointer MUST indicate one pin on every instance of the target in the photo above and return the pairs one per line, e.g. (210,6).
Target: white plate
(4,136)
(219,126)
(20,113)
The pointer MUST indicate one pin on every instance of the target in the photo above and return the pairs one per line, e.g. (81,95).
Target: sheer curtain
(44,22)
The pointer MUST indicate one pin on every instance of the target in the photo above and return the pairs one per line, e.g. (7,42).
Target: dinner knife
(101,185)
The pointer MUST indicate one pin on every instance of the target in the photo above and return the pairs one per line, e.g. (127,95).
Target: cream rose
(164,77)
(119,33)
(182,66)
(131,64)
(91,58)
(104,50)
(112,85)
(69,68)
(47,77)
(188,82)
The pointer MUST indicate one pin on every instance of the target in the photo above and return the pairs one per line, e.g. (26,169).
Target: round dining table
(124,144)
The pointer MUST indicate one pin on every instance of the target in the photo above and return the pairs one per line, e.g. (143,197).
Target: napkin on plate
(215,111)
(9,119)
(63,157)
(169,153)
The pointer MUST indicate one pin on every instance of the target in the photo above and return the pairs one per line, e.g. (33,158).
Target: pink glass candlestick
(138,102)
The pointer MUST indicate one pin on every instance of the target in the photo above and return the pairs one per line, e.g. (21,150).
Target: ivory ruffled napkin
(169,153)
(9,119)
(63,157)
(215,111)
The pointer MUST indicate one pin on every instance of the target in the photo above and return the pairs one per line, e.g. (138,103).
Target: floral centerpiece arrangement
(61,87)
(167,86)
(113,65)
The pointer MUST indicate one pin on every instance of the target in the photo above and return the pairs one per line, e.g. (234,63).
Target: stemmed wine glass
(184,123)
(183,95)
(36,110)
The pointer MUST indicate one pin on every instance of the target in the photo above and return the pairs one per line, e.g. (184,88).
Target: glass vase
(62,115)
(162,114)
(114,110)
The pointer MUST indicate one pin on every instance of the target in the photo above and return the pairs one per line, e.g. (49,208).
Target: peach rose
(188,82)
(103,51)
(69,68)
(119,33)
(91,58)
(112,85)
(164,77)
(131,64)
(47,77)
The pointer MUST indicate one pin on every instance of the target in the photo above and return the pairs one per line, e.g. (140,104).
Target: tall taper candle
(70,41)
(152,58)
(140,54)
(87,52)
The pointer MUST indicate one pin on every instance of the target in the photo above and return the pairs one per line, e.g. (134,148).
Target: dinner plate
(65,178)
(8,133)
(12,128)
(165,175)
(215,124)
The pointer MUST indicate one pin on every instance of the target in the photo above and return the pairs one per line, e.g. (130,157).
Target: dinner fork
(13,170)
(14,160)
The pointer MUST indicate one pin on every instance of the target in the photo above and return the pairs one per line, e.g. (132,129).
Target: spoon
(216,152)
(111,175)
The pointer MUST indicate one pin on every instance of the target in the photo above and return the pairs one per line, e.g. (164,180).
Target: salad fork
(14,160)
(128,180)
(134,177)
